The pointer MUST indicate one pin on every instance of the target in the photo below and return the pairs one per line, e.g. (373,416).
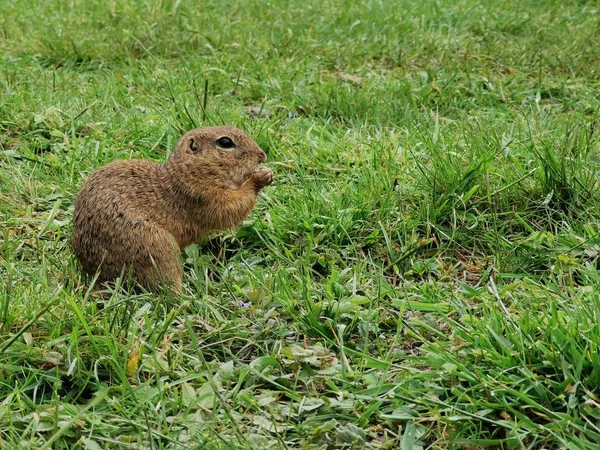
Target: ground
(422,274)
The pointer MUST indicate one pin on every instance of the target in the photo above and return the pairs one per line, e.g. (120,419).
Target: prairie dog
(134,217)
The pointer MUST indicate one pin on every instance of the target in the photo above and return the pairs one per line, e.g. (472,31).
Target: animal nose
(262,156)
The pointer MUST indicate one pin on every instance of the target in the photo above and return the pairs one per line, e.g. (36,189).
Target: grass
(423,273)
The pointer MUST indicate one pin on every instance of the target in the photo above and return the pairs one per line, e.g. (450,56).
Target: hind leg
(155,260)
(164,274)
(132,247)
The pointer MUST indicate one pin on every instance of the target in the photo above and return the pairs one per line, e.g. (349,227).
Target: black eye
(225,142)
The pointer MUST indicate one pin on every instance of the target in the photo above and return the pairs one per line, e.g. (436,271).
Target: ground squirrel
(134,217)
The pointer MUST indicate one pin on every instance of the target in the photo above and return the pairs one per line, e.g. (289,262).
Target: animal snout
(262,156)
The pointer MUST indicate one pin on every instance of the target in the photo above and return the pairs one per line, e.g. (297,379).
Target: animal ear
(193,146)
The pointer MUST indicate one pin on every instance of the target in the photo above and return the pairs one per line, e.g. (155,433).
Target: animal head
(214,157)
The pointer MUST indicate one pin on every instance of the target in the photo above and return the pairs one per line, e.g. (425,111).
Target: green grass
(423,273)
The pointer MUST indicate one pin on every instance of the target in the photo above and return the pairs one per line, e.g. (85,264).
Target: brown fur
(134,217)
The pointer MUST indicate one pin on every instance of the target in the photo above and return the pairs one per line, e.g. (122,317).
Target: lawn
(423,273)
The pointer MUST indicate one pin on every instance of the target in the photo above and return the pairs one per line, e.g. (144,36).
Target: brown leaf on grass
(52,359)
(134,358)
(352,78)
(505,415)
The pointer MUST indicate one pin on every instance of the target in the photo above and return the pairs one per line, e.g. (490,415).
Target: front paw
(262,177)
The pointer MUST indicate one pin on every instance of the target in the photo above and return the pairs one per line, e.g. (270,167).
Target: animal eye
(225,142)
